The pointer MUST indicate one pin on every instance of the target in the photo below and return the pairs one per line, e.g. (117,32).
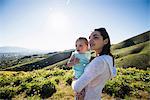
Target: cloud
(68,1)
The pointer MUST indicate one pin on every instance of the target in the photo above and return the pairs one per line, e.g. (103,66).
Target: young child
(79,60)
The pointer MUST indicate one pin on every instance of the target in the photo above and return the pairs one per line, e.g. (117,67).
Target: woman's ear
(106,41)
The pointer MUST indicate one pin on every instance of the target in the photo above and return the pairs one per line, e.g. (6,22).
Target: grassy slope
(29,66)
(20,85)
(23,61)
(133,52)
(130,83)
(133,41)
(136,56)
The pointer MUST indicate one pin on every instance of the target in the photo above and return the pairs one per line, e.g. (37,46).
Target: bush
(57,81)
(128,82)
(17,82)
(4,83)
(23,88)
(69,81)
(29,79)
(7,93)
(47,90)
(35,89)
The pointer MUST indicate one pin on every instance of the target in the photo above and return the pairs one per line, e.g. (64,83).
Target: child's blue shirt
(84,59)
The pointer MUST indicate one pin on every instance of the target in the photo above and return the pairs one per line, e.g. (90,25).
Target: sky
(56,24)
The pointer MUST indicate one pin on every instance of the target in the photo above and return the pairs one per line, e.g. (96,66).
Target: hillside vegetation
(133,41)
(53,82)
(46,76)
(135,55)
(33,64)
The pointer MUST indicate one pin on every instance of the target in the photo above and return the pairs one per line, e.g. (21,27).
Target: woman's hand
(80,96)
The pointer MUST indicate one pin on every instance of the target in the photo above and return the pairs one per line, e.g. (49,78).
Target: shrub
(35,89)
(128,82)
(17,82)
(69,81)
(23,88)
(47,90)
(7,93)
(28,79)
(57,81)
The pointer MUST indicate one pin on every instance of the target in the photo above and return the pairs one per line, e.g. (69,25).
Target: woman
(99,70)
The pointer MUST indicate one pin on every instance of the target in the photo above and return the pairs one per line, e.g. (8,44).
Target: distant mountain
(9,49)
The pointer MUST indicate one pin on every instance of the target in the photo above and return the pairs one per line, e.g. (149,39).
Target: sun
(56,31)
(58,20)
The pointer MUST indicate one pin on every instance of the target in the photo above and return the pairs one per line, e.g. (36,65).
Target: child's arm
(72,61)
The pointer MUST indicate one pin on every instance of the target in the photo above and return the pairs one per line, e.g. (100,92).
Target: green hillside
(39,64)
(133,52)
(133,41)
(136,55)
(133,56)
(53,82)
(6,62)
(46,76)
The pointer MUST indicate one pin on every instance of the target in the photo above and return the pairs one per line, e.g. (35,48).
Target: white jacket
(95,75)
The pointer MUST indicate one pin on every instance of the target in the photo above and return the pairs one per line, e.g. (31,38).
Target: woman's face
(96,41)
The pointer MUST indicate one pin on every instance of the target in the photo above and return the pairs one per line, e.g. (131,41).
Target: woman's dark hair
(106,49)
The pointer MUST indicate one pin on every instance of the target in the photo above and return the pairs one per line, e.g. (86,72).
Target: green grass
(129,83)
(140,61)
(133,56)
(53,82)
(139,48)
(36,84)
(133,41)
(42,83)
(30,66)
(22,63)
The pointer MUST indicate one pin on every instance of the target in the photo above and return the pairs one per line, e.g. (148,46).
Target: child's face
(81,46)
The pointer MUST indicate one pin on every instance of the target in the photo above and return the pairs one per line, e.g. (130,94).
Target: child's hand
(72,61)
(75,60)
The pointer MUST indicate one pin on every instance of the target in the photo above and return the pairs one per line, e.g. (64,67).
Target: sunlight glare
(58,21)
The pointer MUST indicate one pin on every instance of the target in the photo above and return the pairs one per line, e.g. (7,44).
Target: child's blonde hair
(84,39)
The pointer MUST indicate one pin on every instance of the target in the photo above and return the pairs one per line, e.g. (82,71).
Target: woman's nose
(90,41)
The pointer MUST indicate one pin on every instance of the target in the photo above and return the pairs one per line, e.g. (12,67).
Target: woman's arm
(94,68)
